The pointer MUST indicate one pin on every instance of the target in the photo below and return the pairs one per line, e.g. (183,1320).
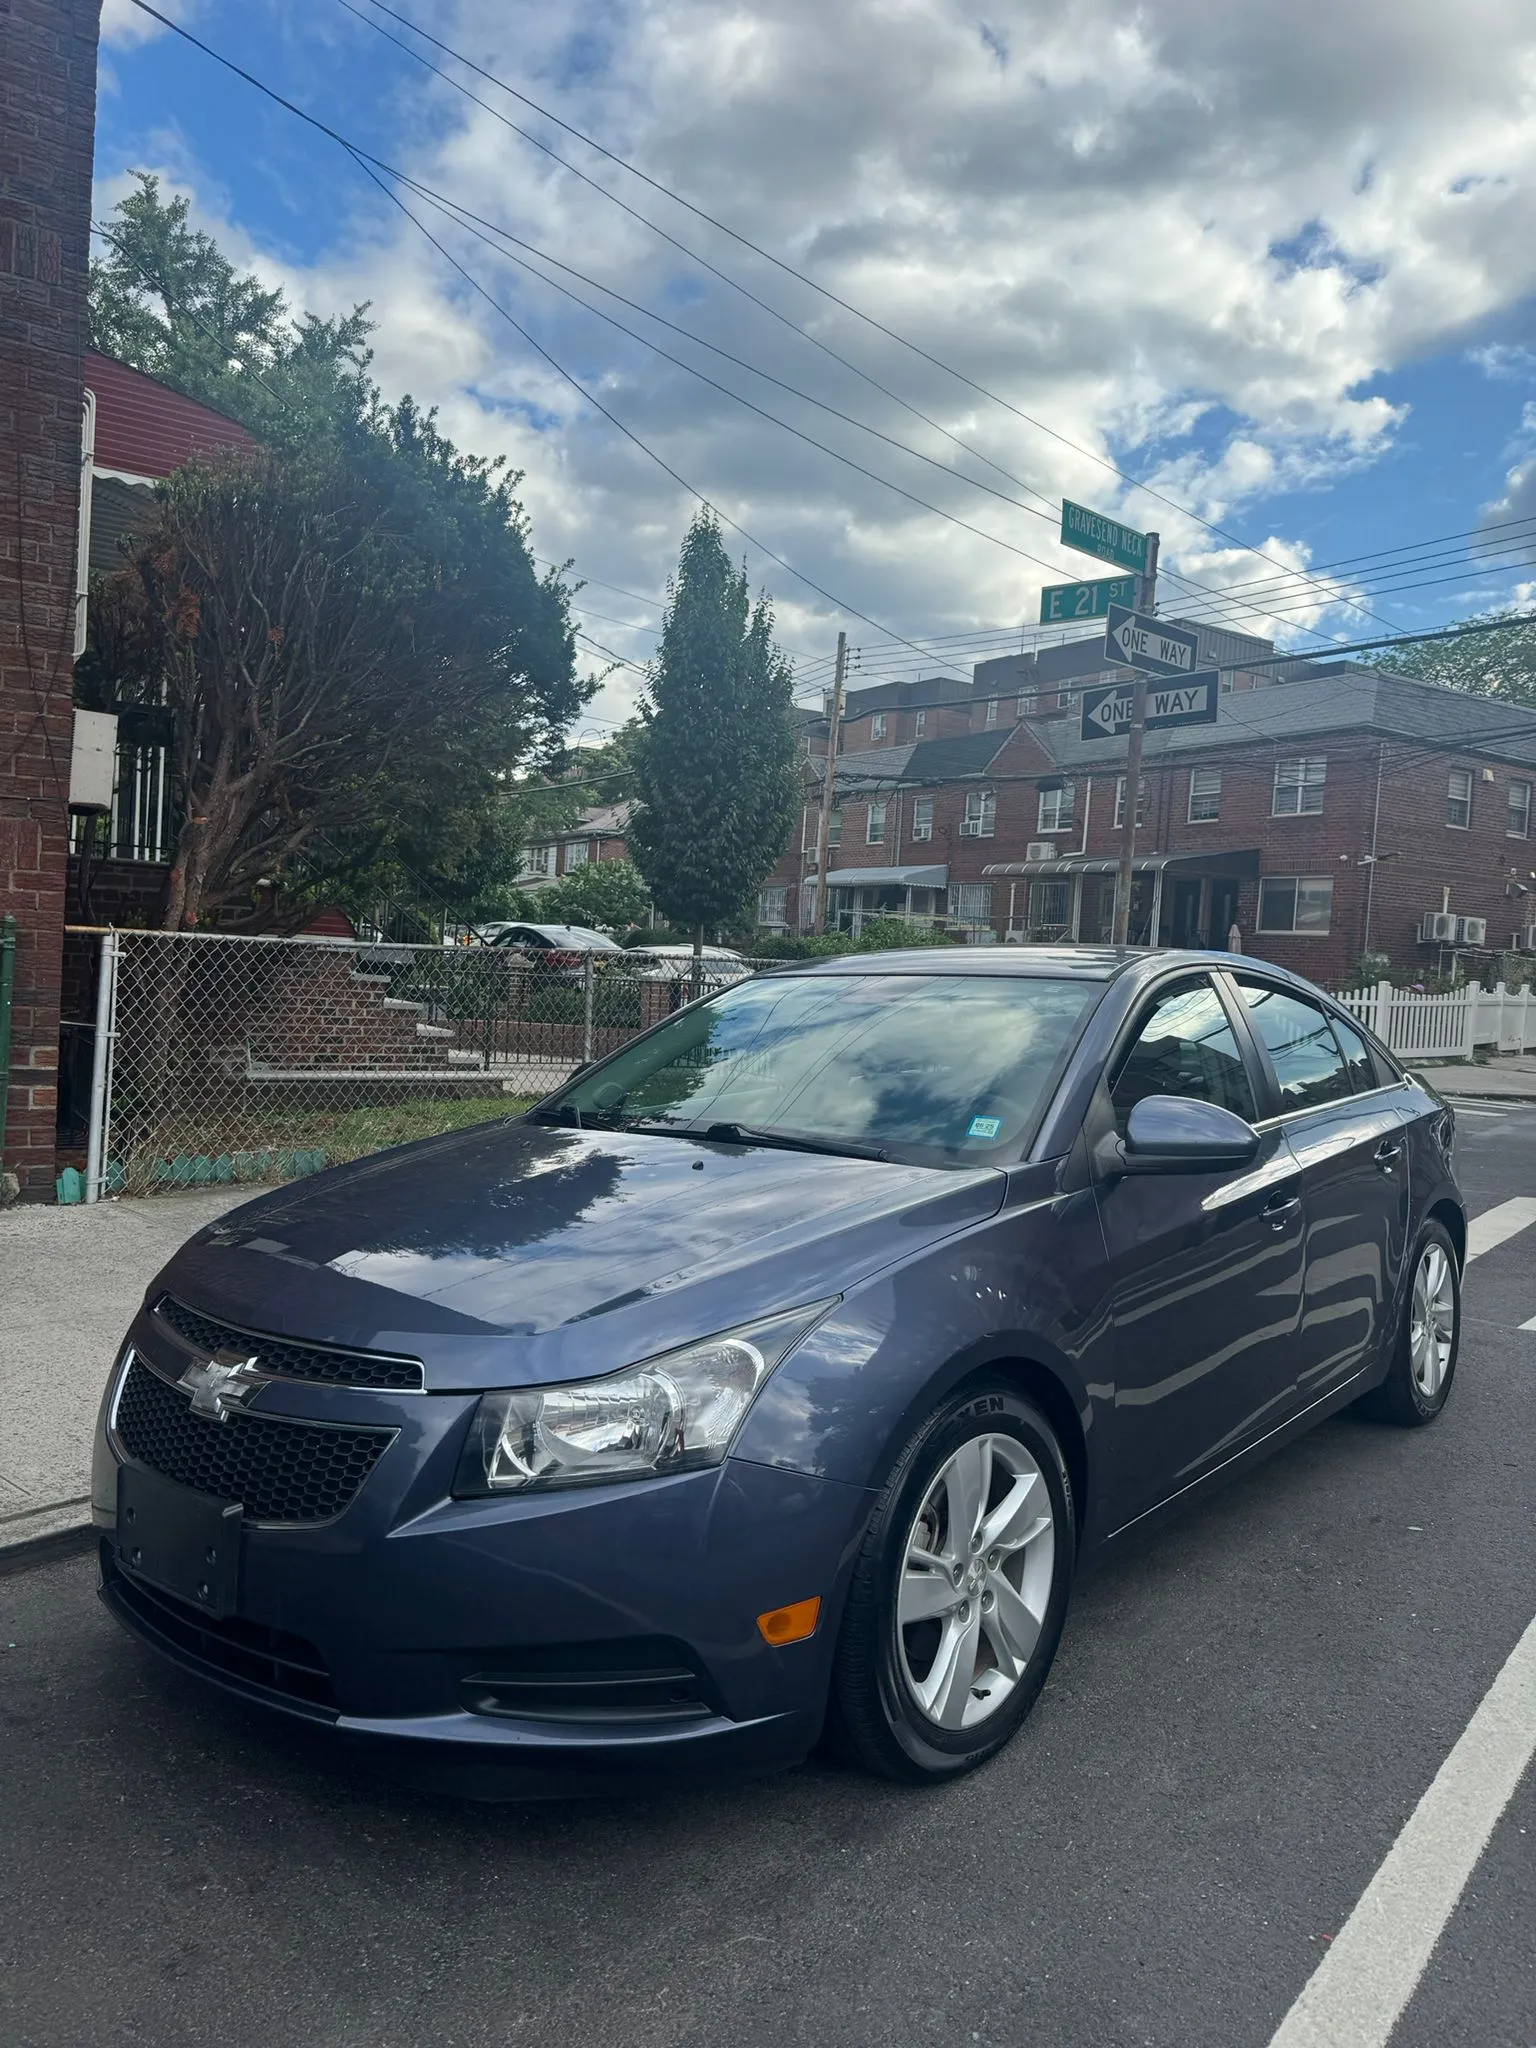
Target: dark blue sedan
(769,1379)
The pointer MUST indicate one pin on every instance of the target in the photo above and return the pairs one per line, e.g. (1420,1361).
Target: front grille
(292,1361)
(251,1654)
(278,1469)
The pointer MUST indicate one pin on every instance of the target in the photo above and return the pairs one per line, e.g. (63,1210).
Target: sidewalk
(70,1283)
(1509,1079)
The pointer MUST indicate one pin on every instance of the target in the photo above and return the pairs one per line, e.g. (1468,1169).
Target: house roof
(606,821)
(1346,699)
(922,761)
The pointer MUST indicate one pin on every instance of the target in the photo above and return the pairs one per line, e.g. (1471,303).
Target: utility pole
(1146,601)
(829,785)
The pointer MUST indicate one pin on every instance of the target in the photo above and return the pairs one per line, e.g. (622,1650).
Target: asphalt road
(1243,1715)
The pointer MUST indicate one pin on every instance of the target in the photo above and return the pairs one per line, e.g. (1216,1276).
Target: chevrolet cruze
(768,1380)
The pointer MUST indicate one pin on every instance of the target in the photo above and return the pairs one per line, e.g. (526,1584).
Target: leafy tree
(714,758)
(605,892)
(1499,664)
(165,298)
(354,646)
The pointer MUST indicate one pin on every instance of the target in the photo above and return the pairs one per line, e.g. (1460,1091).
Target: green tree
(605,892)
(714,758)
(166,299)
(356,651)
(1499,664)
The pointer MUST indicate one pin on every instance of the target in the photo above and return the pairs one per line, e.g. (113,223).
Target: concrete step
(434,1030)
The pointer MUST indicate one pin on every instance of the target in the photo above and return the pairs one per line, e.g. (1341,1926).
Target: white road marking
(1354,1996)
(1495,1225)
(1531,1325)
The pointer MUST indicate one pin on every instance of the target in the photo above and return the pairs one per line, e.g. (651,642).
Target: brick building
(47,117)
(597,835)
(1328,813)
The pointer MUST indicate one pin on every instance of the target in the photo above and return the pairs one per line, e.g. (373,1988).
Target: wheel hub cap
(975,1582)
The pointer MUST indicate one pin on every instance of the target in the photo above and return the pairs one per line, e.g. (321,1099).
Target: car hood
(518,1252)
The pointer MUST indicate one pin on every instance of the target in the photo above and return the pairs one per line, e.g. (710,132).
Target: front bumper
(396,1622)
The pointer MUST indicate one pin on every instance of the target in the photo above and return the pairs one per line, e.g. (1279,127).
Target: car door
(1205,1268)
(1349,1141)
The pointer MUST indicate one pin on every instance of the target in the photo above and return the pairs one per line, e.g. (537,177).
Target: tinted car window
(1357,1055)
(1306,1058)
(944,1069)
(1185,1046)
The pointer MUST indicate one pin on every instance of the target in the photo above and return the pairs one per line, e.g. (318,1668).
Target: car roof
(1038,963)
(557,932)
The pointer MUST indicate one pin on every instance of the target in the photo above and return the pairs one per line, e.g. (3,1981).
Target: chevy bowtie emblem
(221,1384)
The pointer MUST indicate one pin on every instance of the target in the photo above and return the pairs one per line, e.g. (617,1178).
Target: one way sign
(1107,711)
(1140,641)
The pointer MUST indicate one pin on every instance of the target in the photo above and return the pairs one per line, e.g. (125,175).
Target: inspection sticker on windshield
(985,1127)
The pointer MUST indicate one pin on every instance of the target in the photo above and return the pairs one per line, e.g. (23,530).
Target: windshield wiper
(793,1141)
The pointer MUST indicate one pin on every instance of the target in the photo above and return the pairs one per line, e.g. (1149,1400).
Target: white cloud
(122,22)
(1186,237)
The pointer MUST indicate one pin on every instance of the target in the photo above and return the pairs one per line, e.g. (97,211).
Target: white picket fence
(1446,1026)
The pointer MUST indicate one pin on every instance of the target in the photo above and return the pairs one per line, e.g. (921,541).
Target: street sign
(1092,534)
(1059,601)
(1107,711)
(1145,643)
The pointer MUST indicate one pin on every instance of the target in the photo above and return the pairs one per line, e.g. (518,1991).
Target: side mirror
(1177,1134)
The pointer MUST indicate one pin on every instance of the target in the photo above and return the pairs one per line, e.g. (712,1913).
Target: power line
(789,269)
(364,162)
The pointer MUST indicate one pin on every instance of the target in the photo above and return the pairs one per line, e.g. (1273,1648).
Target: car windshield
(936,1069)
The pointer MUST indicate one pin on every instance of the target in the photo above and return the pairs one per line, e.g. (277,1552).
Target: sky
(1260,278)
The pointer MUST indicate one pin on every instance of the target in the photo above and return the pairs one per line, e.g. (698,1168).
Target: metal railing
(219,1058)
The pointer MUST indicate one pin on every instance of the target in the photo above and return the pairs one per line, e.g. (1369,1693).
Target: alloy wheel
(975,1581)
(1432,1326)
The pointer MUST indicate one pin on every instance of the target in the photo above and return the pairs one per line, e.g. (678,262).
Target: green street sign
(1092,534)
(1063,601)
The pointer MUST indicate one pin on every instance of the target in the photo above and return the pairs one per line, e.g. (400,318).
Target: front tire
(959,1592)
(1418,1381)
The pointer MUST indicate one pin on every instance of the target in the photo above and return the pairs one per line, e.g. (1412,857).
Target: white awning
(894,878)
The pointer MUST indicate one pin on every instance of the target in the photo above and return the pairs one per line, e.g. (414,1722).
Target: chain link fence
(218,1058)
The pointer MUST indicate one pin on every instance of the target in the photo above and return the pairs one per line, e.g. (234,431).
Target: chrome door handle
(1279,1210)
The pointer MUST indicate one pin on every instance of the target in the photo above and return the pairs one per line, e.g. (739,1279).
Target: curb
(65,1530)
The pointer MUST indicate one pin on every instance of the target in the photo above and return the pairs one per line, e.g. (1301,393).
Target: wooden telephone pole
(829,784)
(1146,601)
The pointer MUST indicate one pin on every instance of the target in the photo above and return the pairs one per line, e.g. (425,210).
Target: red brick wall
(47,123)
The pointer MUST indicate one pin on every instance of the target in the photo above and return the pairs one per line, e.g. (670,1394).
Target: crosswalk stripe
(1531,1325)
(1495,1225)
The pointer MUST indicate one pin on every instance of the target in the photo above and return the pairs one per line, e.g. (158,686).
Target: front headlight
(668,1415)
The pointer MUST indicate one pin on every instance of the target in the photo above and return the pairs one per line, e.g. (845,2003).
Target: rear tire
(959,1591)
(1418,1381)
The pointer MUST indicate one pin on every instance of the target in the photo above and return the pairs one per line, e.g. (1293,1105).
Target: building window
(575,854)
(1458,799)
(1050,906)
(541,860)
(773,907)
(1296,903)
(1299,788)
(807,906)
(1204,795)
(970,902)
(1519,825)
(991,713)
(1024,707)
(919,724)
(874,825)
(877,726)
(1141,801)
(980,820)
(922,817)
(1055,813)
(835,827)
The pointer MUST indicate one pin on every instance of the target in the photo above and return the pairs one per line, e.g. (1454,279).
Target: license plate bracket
(185,1542)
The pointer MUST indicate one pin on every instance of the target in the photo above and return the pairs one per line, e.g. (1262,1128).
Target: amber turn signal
(790,1624)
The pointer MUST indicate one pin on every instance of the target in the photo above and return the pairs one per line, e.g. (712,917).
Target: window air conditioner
(970,828)
(1040,849)
(1437,927)
(1524,941)
(1471,931)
